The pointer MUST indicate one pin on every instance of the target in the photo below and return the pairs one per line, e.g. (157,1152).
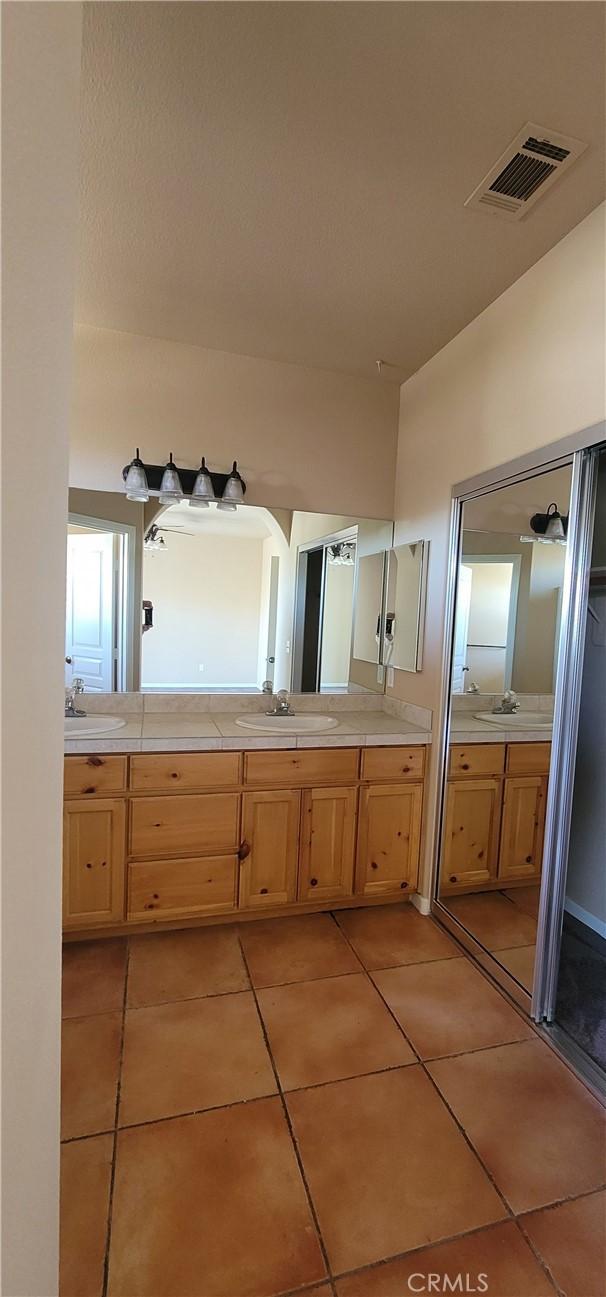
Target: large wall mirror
(199,600)
(507,613)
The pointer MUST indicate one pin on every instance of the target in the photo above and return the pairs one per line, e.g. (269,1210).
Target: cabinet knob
(404,884)
(243,850)
(453,878)
(313,882)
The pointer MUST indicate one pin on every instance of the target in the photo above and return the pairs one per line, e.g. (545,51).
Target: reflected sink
(307,724)
(517,720)
(81,727)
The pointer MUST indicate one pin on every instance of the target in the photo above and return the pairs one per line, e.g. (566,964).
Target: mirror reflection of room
(180,599)
(505,647)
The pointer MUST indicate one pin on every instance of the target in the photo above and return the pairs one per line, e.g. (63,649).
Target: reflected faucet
(508,705)
(77,688)
(282,705)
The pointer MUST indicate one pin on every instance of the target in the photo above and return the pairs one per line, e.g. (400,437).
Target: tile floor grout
(310,1201)
(444,1101)
(281,1094)
(110,1204)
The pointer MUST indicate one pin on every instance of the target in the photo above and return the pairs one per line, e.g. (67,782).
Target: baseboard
(583,916)
(421,903)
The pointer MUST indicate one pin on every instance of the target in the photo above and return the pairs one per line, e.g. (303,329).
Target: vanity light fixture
(171,490)
(549,528)
(136,481)
(204,490)
(200,486)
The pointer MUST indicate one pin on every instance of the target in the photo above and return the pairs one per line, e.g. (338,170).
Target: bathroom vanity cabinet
(495,815)
(160,838)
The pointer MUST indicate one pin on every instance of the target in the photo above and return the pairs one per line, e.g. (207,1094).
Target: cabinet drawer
(393,763)
(302,766)
(528,758)
(185,825)
(182,888)
(476,759)
(166,772)
(87,776)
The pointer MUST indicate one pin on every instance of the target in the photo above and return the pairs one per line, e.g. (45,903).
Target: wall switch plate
(390,677)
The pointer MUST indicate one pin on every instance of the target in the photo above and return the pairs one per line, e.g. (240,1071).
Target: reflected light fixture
(549,528)
(154,543)
(170,486)
(136,481)
(233,492)
(203,490)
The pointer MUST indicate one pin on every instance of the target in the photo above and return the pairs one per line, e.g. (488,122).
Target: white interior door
(272,619)
(461,635)
(89,635)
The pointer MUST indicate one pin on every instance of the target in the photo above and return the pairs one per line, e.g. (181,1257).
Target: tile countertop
(201,732)
(467,729)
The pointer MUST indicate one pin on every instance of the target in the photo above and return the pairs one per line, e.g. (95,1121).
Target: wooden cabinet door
(94,849)
(269,849)
(328,836)
(389,837)
(471,843)
(522,826)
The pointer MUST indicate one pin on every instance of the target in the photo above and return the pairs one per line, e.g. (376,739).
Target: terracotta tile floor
(327,1105)
(505,923)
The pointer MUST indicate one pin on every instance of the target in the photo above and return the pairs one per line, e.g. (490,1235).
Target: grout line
(310,1201)
(443,1100)
(543,1264)
(114,1151)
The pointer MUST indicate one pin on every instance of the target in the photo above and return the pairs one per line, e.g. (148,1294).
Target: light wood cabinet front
(393,763)
(183,772)
(475,760)
(522,827)
(185,825)
(269,849)
(301,766)
(94,845)
(528,758)
(167,889)
(471,841)
(328,837)
(389,837)
(90,776)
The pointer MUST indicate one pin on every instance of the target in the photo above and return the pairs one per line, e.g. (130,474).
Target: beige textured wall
(528,371)
(40,91)
(304,438)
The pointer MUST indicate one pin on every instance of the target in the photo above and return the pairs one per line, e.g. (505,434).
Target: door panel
(89,634)
(471,843)
(93,862)
(522,827)
(389,838)
(328,834)
(269,850)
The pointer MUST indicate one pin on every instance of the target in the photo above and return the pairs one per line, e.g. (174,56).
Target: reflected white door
(89,634)
(272,620)
(459,657)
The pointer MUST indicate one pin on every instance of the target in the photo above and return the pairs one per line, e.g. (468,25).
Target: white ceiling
(287,180)
(249,522)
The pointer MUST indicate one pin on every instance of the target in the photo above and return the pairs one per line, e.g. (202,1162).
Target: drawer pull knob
(243,850)
(313,882)
(404,884)
(373,864)
(453,878)
(263,891)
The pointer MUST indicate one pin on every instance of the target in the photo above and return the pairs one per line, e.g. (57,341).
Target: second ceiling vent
(535,159)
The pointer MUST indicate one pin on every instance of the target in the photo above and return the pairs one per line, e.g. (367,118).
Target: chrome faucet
(77,688)
(282,705)
(508,705)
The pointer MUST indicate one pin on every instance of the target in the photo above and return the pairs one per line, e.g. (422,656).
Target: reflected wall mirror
(507,609)
(192,600)
(405,605)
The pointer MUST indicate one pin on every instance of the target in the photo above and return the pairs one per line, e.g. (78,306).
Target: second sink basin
(517,720)
(81,727)
(306,724)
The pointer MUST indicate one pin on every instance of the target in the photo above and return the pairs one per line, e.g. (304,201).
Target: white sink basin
(307,724)
(81,727)
(517,720)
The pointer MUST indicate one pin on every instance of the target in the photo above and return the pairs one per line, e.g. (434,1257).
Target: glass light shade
(227,506)
(203,490)
(170,486)
(136,481)
(233,487)
(555,527)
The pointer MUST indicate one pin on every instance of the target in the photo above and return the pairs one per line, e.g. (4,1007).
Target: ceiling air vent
(525,171)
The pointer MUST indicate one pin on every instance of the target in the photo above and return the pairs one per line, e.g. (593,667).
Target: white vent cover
(535,159)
